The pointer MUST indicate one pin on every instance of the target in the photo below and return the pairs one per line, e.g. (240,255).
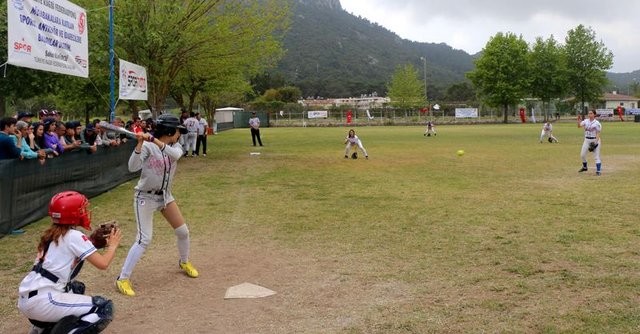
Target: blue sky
(468,24)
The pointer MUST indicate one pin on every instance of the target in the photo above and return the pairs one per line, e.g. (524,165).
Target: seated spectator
(89,137)
(57,114)
(78,132)
(68,140)
(44,114)
(27,153)
(38,136)
(25,116)
(31,137)
(8,147)
(51,137)
(61,130)
(35,139)
(115,137)
(136,125)
(151,126)
(103,139)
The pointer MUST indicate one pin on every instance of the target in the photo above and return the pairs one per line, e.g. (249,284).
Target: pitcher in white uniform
(592,129)
(49,296)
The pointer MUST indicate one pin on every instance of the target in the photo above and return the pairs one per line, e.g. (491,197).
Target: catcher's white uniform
(42,299)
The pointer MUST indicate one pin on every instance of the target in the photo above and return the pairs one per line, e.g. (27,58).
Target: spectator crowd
(47,137)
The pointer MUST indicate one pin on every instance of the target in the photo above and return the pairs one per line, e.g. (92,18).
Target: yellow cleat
(188,269)
(125,288)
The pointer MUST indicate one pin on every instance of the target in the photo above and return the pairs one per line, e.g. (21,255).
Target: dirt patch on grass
(313,296)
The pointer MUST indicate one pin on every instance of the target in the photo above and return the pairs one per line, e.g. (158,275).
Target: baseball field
(505,238)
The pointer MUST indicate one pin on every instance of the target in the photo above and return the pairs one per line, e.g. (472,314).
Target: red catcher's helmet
(70,208)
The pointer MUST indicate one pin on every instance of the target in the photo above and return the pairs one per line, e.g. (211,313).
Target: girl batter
(156,155)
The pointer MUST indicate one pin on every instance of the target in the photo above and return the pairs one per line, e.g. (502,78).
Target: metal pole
(424,61)
(112,97)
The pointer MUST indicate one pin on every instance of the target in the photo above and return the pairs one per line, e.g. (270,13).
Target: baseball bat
(117,129)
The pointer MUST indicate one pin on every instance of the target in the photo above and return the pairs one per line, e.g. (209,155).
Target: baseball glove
(592,146)
(101,234)
(550,140)
(354,155)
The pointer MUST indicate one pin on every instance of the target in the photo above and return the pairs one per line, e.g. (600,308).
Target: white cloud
(468,24)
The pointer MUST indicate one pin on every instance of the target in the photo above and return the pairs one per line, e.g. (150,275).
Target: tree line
(195,53)
(509,70)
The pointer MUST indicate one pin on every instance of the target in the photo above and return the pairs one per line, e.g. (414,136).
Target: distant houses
(363,102)
(613,100)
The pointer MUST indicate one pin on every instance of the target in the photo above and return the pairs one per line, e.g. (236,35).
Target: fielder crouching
(49,296)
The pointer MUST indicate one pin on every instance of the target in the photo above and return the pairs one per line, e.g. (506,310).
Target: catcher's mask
(70,208)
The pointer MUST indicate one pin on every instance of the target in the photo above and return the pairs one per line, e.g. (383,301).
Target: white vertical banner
(133,81)
(48,35)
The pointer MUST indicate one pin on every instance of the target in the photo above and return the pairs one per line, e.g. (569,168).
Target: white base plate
(247,290)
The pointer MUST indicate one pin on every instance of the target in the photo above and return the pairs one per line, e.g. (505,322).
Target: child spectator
(51,137)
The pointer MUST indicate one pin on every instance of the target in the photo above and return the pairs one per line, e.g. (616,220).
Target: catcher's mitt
(101,234)
(592,146)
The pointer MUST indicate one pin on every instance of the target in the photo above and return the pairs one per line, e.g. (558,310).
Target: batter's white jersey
(158,167)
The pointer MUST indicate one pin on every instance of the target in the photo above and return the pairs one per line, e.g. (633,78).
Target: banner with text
(317,114)
(466,112)
(604,113)
(133,81)
(48,35)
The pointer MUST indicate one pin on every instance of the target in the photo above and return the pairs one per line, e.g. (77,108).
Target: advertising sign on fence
(133,81)
(604,113)
(48,35)
(317,114)
(466,112)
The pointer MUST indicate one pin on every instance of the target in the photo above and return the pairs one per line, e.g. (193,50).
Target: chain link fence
(380,117)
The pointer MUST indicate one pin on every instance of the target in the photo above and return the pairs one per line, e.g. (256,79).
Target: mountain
(331,53)
(624,82)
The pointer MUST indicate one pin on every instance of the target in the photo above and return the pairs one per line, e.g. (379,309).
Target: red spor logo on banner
(82,22)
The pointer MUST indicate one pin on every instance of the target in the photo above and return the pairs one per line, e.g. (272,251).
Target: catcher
(592,141)
(49,296)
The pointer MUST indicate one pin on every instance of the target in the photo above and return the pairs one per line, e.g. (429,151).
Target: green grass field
(508,237)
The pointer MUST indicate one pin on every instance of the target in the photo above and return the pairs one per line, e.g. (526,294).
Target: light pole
(424,62)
